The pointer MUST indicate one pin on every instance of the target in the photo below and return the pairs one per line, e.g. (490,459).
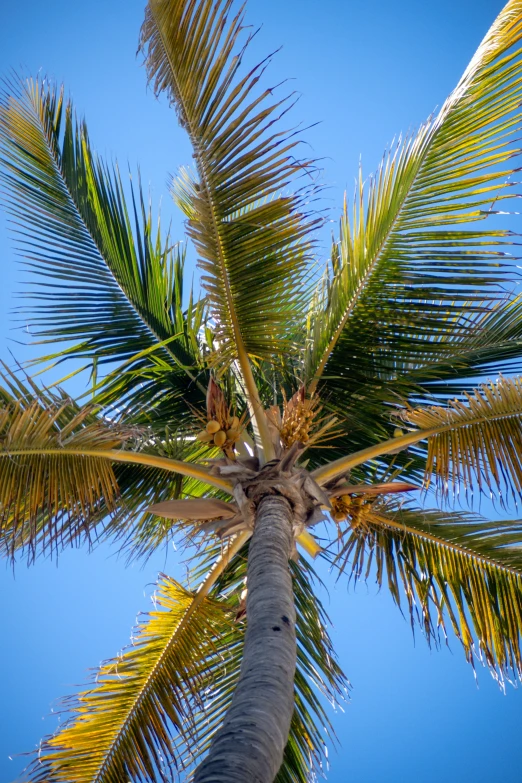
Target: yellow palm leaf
(57,476)
(477,442)
(121,727)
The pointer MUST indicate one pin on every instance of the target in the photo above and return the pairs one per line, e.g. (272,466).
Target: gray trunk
(250,744)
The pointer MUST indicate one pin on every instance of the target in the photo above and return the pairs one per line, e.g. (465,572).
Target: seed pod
(339,516)
(219,438)
(233,422)
(213,427)
(204,436)
(232,435)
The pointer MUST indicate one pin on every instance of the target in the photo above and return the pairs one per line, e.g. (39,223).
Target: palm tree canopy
(346,392)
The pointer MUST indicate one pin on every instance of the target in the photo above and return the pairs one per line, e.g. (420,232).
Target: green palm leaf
(246,213)
(249,236)
(413,268)
(486,344)
(112,291)
(451,564)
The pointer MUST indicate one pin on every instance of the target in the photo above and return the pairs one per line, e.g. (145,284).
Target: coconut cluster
(221,434)
(222,427)
(348,507)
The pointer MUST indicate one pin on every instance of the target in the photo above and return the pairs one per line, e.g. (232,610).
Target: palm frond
(113,290)
(413,267)
(475,443)
(249,237)
(246,209)
(486,344)
(51,490)
(122,726)
(154,708)
(452,565)
(65,478)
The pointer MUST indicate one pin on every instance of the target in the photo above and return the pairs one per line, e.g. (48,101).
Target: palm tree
(283,397)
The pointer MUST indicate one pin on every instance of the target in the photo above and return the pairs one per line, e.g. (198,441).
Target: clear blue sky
(366,70)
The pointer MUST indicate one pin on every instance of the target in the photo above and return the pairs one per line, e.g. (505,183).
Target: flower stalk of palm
(239,421)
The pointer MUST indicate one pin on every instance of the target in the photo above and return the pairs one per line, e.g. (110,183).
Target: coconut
(220,438)
(213,427)
(204,436)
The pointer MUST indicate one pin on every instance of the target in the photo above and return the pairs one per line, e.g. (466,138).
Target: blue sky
(365,71)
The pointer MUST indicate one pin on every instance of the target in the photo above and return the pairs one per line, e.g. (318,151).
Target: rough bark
(250,744)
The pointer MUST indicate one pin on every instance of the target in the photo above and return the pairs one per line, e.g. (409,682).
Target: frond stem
(133,457)
(339,466)
(445,543)
(244,362)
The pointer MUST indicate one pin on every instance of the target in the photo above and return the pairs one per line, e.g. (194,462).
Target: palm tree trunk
(250,744)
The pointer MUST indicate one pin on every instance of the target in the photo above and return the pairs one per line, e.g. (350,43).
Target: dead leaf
(196,508)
